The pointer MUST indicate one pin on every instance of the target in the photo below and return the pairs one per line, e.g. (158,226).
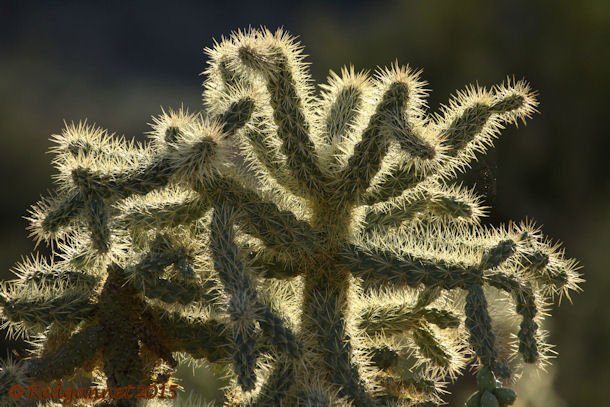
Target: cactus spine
(313,242)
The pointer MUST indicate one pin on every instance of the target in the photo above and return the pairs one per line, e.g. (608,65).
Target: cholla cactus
(312,242)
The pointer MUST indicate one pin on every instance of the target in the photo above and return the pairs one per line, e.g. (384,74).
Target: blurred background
(118,63)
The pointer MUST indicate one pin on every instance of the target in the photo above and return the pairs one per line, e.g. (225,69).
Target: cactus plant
(313,242)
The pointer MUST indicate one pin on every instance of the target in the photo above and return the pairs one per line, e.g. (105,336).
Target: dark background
(118,63)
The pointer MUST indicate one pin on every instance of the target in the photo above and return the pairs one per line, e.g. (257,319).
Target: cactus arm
(278,384)
(269,56)
(527,308)
(406,270)
(41,309)
(397,318)
(474,117)
(342,104)
(441,204)
(431,347)
(139,181)
(244,306)
(198,337)
(81,347)
(342,113)
(402,175)
(145,276)
(165,209)
(439,317)
(389,121)
(54,212)
(278,229)
(40,274)
(268,154)
(482,338)
(236,116)
(267,265)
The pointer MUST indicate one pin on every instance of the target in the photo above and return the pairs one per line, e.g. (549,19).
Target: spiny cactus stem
(75,352)
(404,176)
(324,307)
(526,307)
(342,113)
(482,338)
(278,229)
(293,128)
(325,304)
(236,116)
(269,155)
(139,181)
(200,339)
(67,210)
(120,311)
(464,128)
(279,383)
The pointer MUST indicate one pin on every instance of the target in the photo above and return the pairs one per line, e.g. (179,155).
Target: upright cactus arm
(258,142)
(342,114)
(467,125)
(336,346)
(398,100)
(263,153)
(342,105)
(277,59)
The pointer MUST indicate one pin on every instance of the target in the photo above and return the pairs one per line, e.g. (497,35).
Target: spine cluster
(311,242)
